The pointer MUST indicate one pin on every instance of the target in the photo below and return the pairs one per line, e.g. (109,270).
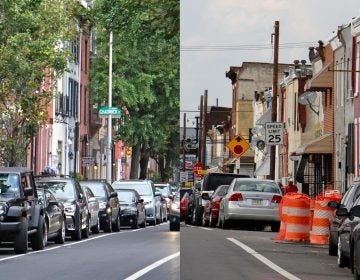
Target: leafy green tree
(32,57)
(145,75)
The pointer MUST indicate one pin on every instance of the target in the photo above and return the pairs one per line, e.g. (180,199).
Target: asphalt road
(208,253)
(149,253)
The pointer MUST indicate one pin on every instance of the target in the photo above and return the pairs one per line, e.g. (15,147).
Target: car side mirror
(157,193)
(205,196)
(28,192)
(342,212)
(140,200)
(171,197)
(92,199)
(114,194)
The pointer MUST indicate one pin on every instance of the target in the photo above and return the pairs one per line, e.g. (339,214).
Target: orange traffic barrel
(319,233)
(297,225)
(282,214)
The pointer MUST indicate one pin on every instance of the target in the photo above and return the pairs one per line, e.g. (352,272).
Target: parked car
(355,243)
(345,248)
(174,213)
(147,192)
(253,201)
(109,206)
(21,215)
(54,216)
(207,185)
(165,189)
(69,192)
(93,206)
(132,208)
(184,200)
(347,202)
(212,206)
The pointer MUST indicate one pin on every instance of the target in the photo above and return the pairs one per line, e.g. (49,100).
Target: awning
(264,168)
(320,145)
(264,118)
(322,79)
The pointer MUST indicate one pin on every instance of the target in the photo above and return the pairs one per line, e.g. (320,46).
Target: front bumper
(70,224)
(10,226)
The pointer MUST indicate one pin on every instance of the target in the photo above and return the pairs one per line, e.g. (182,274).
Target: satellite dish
(308,97)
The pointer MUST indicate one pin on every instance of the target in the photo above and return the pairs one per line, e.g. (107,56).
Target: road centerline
(264,260)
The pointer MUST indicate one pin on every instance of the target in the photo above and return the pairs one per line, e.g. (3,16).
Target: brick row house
(74,139)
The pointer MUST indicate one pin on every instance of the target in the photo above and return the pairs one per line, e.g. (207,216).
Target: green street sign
(105,111)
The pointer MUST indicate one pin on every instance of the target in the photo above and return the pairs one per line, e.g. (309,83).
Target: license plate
(256,202)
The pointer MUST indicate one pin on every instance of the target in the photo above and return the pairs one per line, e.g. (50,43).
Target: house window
(74,48)
(73,88)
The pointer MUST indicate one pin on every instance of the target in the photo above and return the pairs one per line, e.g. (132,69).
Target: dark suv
(21,216)
(109,206)
(206,186)
(69,192)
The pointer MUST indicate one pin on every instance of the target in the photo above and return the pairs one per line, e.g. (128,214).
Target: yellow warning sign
(238,145)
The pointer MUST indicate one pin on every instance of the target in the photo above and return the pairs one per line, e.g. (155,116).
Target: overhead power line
(246,47)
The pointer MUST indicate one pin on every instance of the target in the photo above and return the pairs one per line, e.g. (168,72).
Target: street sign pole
(109,153)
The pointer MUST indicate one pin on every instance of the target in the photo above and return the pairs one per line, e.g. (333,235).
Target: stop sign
(197,167)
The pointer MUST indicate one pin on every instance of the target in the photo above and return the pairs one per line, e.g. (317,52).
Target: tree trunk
(135,158)
(143,164)
(161,164)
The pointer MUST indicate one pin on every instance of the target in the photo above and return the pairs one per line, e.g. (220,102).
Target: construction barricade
(323,214)
(295,216)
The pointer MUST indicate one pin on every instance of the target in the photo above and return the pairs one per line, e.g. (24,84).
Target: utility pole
(203,159)
(274,95)
(201,129)
(183,146)
(109,146)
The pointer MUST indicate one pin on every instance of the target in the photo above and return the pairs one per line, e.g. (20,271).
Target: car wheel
(60,239)
(204,221)
(96,228)
(86,231)
(135,224)
(225,224)
(332,247)
(174,226)
(39,239)
(108,224)
(356,265)
(275,227)
(342,261)
(212,221)
(21,238)
(76,235)
(116,225)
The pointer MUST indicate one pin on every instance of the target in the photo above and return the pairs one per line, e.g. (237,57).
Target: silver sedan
(251,202)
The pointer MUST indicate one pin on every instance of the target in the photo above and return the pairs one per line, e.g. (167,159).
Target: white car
(251,202)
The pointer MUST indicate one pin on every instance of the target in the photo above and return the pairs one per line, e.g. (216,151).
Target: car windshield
(9,185)
(256,186)
(96,187)
(164,191)
(125,196)
(143,189)
(61,190)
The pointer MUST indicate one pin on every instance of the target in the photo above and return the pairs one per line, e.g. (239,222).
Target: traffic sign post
(106,111)
(238,145)
(274,133)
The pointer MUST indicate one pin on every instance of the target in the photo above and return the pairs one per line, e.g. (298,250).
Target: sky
(217,34)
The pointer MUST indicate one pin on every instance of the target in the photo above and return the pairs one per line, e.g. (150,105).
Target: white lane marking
(264,260)
(204,228)
(74,243)
(152,266)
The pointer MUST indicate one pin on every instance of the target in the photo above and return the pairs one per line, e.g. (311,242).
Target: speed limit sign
(274,134)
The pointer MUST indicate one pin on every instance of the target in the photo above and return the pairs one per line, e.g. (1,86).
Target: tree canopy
(32,56)
(145,74)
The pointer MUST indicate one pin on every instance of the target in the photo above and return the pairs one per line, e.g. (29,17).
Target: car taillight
(276,199)
(236,197)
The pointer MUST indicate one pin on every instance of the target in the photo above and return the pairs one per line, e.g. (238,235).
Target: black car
(54,216)
(21,215)
(69,192)
(132,208)
(109,206)
(355,244)
(208,184)
(174,213)
(347,202)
